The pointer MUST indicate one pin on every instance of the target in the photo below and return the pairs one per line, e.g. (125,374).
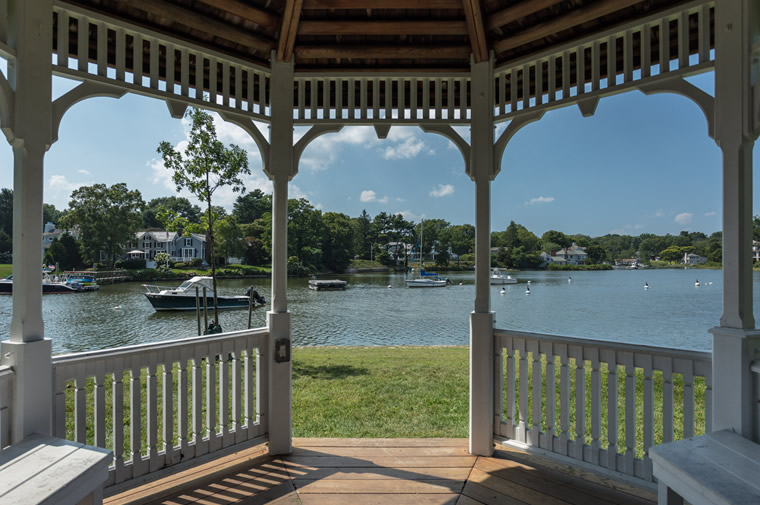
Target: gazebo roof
(378,35)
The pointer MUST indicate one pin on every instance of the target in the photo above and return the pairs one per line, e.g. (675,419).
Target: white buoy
(696,284)
(460,283)
(646,285)
(527,290)
(710,283)
(118,307)
(389,286)
(502,291)
(569,279)
(528,283)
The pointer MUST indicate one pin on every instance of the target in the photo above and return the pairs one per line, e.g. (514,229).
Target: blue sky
(641,164)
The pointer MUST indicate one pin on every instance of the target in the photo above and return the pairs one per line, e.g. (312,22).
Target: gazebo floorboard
(382,471)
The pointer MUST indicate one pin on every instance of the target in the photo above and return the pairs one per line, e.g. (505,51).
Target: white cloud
(711,213)
(59,188)
(658,213)
(442,190)
(540,199)
(409,148)
(382,200)
(368,196)
(684,218)
(409,215)
(83,171)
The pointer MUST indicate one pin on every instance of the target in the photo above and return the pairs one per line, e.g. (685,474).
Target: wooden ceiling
(377,35)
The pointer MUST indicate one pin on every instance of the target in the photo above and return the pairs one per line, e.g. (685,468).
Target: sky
(641,164)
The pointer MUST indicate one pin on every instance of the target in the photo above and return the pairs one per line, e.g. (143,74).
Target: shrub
(129,264)
(6,257)
(296,268)
(196,262)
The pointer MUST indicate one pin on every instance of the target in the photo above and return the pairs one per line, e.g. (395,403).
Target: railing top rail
(139,348)
(6,372)
(405,75)
(606,344)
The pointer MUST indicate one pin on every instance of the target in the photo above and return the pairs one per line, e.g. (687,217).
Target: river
(609,305)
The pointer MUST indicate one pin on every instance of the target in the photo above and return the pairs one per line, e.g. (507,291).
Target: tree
(230,237)
(6,211)
(305,232)
(50,215)
(206,166)
(338,241)
(595,254)
(362,235)
(555,237)
(462,239)
(108,218)
(251,206)
(177,205)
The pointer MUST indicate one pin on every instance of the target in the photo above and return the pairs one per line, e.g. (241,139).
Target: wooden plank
(516,12)
(569,20)
(382,4)
(245,11)
(383,461)
(362,452)
(374,486)
(485,495)
(354,473)
(382,52)
(288,28)
(386,28)
(399,499)
(380,442)
(474,18)
(512,489)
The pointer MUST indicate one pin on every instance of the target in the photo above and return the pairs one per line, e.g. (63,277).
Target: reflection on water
(611,305)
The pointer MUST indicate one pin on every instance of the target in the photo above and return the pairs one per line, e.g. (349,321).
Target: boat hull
(425,283)
(502,281)
(50,288)
(180,302)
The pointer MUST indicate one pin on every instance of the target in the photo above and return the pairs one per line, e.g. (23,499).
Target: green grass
(361,263)
(5,270)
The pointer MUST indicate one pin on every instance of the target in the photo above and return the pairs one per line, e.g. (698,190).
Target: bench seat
(720,468)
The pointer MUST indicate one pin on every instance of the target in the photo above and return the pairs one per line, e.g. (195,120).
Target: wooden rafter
(382,28)
(288,29)
(474,18)
(382,52)
(382,4)
(245,11)
(202,23)
(519,11)
(574,18)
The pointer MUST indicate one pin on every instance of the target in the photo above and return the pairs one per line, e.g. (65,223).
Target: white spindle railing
(674,43)
(602,403)
(7,377)
(145,62)
(348,99)
(156,405)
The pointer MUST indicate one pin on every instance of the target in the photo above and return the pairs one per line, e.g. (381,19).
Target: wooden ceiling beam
(245,11)
(200,22)
(381,4)
(382,28)
(519,11)
(288,29)
(569,20)
(383,52)
(474,18)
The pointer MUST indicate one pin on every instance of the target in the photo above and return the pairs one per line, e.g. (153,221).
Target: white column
(735,341)
(30,76)
(481,319)
(281,170)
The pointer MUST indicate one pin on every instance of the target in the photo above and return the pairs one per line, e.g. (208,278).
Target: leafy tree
(162,262)
(362,235)
(755,227)
(230,237)
(305,232)
(254,253)
(556,237)
(595,254)
(177,205)
(108,218)
(338,241)
(6,211)
(50,215)
(251,206)
(6,243)
(206,166)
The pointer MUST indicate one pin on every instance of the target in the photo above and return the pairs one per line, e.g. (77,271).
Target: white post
(28,352)
(735,341)
(281,170)
(482,319)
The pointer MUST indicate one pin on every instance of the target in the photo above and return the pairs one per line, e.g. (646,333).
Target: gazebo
(326,64)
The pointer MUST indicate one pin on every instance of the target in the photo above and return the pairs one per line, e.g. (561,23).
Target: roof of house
(161,235)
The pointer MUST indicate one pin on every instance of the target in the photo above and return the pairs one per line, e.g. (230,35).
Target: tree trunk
(213,260)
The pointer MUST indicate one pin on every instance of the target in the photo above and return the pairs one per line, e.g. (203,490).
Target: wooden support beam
(288,29)
(202,23)
(515,12)
(382,28)
(574,18)
(383,52)
(474,18)
(382,4)
(245,11)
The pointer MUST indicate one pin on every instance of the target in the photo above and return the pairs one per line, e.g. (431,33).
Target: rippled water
(610,305)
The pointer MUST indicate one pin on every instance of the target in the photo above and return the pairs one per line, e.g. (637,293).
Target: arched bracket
(452,135)
(588,106)
(314,132)
(176,109)
(682,87)
(514,126)
(251,129)
(7,107)
(85,90)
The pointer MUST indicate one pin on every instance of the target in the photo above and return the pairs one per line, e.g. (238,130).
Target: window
(188,242)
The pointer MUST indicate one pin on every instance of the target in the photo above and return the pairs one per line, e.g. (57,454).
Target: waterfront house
(693,259)
(178,247)
(573,255)
(436,64)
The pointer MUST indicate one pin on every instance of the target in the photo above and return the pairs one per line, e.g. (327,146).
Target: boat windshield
(185,285)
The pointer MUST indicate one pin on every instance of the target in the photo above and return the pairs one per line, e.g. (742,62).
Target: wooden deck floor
(380,471)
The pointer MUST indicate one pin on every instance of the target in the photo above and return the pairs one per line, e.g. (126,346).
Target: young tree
(107,218)
(206,166)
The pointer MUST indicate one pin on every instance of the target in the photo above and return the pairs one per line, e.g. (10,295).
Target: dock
(327,285)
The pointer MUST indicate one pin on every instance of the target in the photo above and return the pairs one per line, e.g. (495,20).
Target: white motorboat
(498,279)
(184,296)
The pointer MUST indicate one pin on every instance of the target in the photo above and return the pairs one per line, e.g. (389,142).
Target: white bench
(719,468)
(48,470)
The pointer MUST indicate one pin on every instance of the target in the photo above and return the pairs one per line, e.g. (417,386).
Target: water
(609,305)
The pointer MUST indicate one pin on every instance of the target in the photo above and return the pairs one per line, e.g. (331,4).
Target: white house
(573,255)
(179,247)
(693,259)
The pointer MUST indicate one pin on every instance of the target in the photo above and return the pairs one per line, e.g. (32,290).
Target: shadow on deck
(379,471)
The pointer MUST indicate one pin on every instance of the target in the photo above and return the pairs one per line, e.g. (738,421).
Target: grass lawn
(5,270)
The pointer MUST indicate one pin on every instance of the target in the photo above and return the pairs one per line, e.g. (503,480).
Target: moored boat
(184,296)
(497,278)
(54,285)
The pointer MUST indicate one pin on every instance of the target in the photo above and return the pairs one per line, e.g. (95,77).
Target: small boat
(425,279)
(54,285)
(327,284)
(497,278)
(183,297)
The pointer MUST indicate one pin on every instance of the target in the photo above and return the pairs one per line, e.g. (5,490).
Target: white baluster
(83,43)
(645,361)
(102,49)
(548,351)
(630,411)
(596,404)
(100,409)
(564,399)
(580,401)
(646,51)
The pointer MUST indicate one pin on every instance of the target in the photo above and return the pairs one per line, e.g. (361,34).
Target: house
(179,247)
(755,250)
(50,233)
(693,259)
(573,255)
